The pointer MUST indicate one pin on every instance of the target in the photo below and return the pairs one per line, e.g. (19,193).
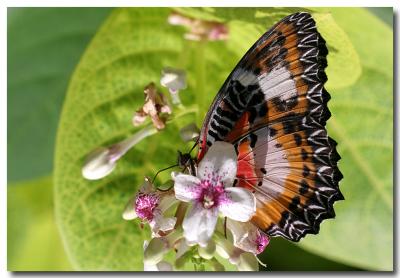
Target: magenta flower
(149,205)
(146,205)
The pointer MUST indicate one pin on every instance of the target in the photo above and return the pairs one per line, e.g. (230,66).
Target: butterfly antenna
(195,144)
(159,171)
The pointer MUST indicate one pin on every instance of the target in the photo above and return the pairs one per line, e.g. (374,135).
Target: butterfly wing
(273,108)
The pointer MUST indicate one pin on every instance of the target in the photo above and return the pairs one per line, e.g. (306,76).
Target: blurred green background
(44,47)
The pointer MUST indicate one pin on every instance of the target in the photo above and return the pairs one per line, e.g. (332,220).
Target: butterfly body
(273,109)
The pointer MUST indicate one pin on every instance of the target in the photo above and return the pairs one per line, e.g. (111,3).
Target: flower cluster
(203,219)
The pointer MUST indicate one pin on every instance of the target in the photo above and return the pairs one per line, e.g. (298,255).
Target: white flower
(247,236)
(211,192)
(174,80)
(149,206)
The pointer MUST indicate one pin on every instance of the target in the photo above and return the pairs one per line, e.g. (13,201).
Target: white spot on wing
(278,82)
(245,78)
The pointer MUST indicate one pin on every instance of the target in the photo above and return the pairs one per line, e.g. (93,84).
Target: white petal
(159,223)
(167,224)
(174,79)
(186,187)
(244,235)
(199,224)
(239,205)
(220,159)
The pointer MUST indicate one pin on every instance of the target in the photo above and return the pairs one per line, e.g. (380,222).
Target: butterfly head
(186,162)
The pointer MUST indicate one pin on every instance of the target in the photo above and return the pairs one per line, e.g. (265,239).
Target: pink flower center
(261,241)
(211,193)
(145,205)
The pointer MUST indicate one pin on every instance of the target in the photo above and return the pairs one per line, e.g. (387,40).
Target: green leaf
(375,46)
(383,13)
(43,46)
(362,123)
(126,54)
(33,242)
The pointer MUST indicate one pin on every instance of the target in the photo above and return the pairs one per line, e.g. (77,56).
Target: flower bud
(208,251)
(224,247)
(164,266)
(155,251)
(221,252)
(247,262)
(102,161)
(98,164)
(129,212)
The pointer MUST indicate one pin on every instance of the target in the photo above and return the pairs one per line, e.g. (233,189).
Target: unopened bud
(247,262)
(98,164)
(208,251)
(164,266)
(224,247)
(155,251)
(102,161)
(129,212)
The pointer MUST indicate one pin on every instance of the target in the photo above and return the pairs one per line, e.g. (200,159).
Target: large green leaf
(362,123)
(43,46)
(127,53)
(33,242)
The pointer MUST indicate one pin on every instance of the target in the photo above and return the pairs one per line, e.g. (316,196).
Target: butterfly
(273,109)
